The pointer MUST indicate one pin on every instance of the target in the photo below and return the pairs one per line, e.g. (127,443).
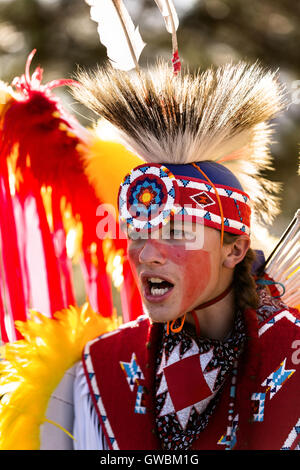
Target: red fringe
(130,296)
(16,304)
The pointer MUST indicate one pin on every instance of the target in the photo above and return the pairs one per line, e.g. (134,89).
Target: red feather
(46,143)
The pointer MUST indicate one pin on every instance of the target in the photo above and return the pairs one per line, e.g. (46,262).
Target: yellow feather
(32,368)
(106,163)
(6,96)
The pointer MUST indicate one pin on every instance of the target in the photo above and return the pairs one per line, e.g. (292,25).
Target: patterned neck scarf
(190,374)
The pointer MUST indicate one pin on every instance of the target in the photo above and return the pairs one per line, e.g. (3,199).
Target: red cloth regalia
(191,148)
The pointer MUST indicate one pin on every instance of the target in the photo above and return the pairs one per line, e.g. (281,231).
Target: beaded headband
(150,195)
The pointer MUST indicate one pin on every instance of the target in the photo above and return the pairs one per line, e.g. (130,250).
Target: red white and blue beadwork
(150,195)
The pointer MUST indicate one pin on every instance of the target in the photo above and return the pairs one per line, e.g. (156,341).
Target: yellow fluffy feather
(106,161)
(32,368)
(6,96)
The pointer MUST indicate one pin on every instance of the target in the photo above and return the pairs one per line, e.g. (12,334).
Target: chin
(160,314)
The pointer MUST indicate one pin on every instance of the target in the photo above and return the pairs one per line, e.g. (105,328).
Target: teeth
(155,280)
(156,291)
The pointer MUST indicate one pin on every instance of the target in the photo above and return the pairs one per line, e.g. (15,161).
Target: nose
(152,252)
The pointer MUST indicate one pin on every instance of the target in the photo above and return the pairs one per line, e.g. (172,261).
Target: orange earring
(178,329)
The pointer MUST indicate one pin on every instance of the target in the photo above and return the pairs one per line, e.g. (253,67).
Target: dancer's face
(176,274)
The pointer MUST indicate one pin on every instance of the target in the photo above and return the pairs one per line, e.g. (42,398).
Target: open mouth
(156,288)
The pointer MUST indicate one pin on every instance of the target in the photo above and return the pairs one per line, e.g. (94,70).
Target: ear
(236,251)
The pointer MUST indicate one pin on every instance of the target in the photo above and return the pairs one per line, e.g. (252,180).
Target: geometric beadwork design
(258,406)
(273,382)
(147,197)
(93,383)
(133,375)
(277,378)
(150,195)
(132,371)
(203,199)
(186,392)
(285,314)
(292,438)
(224,438)
(205,194)
(139,403)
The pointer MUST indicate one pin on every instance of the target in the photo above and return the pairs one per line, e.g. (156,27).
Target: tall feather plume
(169,14)
(168,11)
(117,33)
(220,114)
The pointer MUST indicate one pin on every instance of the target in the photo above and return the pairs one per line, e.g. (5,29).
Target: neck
(216,319)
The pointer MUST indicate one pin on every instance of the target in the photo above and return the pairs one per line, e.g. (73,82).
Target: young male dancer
(210,365)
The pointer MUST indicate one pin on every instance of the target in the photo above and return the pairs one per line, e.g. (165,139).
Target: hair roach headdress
(186,120)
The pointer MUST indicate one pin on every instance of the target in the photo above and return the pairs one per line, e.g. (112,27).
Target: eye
(189,235)
(132,234)
(181,234)
(176,233)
